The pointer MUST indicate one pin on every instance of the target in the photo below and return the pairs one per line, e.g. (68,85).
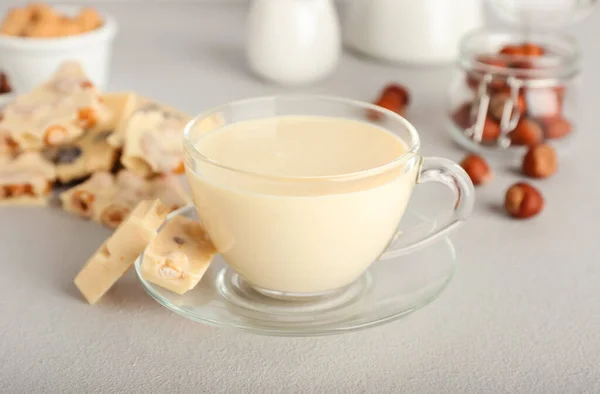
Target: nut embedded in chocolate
(114,214)
(19,190)
(83,201)
(178,240)
(67,154)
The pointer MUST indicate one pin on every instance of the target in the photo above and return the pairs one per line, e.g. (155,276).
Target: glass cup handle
(436,169)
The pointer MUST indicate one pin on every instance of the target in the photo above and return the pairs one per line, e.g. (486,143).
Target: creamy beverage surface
(289,232)
(302,146)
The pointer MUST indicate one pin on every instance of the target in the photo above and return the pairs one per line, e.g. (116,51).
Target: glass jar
(514,90)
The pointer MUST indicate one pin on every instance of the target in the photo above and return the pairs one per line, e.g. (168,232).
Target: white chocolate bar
(55,113)
(122,105)
(108,199)
(179,256)
(118,253)
(152,139)
(89,154)
(25,179)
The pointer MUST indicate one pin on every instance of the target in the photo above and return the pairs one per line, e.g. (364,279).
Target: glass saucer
(389,290)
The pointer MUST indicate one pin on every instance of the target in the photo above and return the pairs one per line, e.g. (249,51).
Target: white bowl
(28,62)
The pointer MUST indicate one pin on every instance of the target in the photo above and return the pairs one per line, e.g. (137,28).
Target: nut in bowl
(35,40)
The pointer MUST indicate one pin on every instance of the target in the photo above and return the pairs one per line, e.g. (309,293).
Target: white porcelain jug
(293,41)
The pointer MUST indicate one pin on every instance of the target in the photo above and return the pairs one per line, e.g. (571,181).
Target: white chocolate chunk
(54,113)
(88,154)
(25,179)
(153,135)
(118,253)
(108,199)
(88,199)
(179,256)
(122,105)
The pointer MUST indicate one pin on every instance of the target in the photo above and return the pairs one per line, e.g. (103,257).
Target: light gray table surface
(521,315)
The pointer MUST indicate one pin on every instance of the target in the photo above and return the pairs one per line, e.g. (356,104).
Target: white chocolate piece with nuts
(55,113)
(119,252)
(179,256)
(153,135)
(89,154)
(122,105)
(25,179)
(109,199)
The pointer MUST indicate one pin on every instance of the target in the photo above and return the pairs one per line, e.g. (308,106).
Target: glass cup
(292,237)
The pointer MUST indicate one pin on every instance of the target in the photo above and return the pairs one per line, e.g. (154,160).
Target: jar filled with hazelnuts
(514,90)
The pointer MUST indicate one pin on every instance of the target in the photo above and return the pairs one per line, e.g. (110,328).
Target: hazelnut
(19,190)
(556,127)
(525,49)
(113,215)
(89,19)
(531,49)
(510,50)
(18,15)
(68,27)
(41,30)
(462,116)
(522,64)
(83,202)
(55,135)
(87,117)
(527,132)
(394,97)
(42,12)
(540,161)
(399,91)
(498,102)
(477,169)
(87,85)
(180,169)
(523,201)
(12,28)
(491,131)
